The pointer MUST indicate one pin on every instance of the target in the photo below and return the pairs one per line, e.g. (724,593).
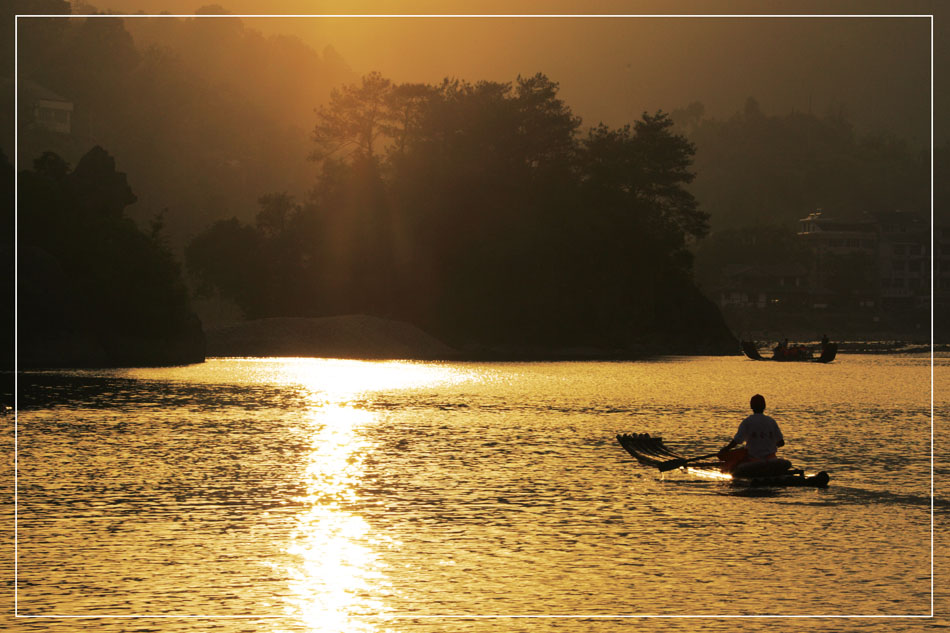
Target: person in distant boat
(760,433)
(824,342)
(780,350)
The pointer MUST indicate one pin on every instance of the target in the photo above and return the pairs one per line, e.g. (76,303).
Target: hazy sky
(612,69)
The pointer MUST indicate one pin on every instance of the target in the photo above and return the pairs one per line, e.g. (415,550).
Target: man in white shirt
(760,433)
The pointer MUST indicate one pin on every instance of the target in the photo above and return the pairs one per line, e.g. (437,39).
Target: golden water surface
(327,495)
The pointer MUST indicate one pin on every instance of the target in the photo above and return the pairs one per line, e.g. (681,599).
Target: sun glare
(333,381)
(335,568)
(333,563)
(335,574)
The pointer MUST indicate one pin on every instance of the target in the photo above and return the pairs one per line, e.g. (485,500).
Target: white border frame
(16,559)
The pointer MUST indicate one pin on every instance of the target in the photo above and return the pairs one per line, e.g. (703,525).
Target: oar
(673,464)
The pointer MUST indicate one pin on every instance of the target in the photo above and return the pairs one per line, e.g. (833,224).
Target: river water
(314,495)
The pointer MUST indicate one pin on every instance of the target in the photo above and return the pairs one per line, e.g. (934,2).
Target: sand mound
(353,336)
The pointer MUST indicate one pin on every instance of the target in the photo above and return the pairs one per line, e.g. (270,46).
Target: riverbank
(364,337)
(890,347)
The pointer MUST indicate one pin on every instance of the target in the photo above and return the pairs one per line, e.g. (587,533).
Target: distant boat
(792,353)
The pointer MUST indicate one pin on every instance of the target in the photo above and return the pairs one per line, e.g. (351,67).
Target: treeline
(204,113)
(93,289)
(759,169)
(480,212)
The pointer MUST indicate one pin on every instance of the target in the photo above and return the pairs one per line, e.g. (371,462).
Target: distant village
(888,284)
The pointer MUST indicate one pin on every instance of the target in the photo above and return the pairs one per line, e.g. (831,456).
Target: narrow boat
(651,451)
(797,353)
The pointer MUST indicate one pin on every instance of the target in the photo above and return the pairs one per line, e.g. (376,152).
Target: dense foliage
(478,211)
(204,113)
(759,169)
(92,288)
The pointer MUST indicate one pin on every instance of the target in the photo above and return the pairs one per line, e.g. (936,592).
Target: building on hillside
(42,108)
(880,262)
(844,266)
(905,261)
(825,235)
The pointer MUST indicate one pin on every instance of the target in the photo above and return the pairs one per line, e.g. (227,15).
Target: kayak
(792,354)
(651,451)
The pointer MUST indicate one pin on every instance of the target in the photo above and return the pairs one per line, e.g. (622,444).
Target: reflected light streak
(709,474)
(337,575)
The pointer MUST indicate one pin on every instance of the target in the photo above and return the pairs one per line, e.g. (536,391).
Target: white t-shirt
(760,434)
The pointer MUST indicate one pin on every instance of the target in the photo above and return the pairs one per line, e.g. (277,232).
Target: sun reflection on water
(335,381)
(337,578)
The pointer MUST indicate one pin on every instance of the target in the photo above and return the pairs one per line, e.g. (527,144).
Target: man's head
(757,403)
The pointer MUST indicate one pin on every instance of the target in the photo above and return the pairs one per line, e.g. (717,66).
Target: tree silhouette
(94,289)
(477,211)
(759,169)
(354,120)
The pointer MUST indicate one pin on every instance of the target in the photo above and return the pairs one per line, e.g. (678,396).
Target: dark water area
(324,495)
